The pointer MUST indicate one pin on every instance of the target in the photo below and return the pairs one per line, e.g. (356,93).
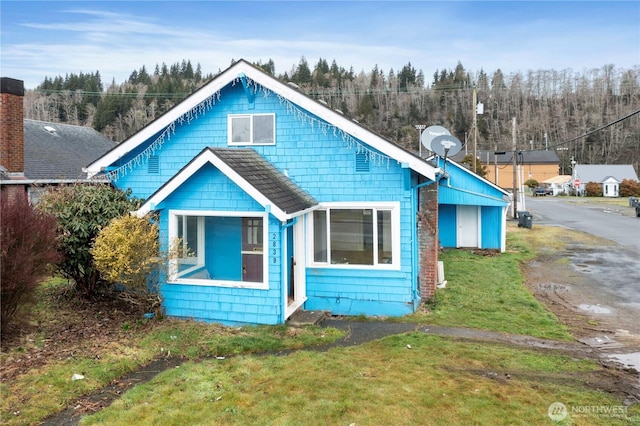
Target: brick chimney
(12,126)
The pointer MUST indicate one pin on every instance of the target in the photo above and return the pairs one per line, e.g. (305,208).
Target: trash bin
(525,219)
(633,201)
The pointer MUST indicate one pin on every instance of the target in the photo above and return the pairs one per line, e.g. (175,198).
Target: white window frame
(230,120)
(197,261)
(394,207)
(173,232)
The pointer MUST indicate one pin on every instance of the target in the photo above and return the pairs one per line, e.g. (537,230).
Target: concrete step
(301,317)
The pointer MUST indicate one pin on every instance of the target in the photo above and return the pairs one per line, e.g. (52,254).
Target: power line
(595,130)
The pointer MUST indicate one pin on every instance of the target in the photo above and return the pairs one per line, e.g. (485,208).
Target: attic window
(362,163)
(154,165)
(251,129)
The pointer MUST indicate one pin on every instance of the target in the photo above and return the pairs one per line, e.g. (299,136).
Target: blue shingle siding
(209,189)
(325,159)
(491,218)
(447,225)
(321,163)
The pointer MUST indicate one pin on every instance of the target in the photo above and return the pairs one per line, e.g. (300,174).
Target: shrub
(28,249)
(82,210)
(531,183)
(481,169)
(629,188)
(127,252)
(593,189)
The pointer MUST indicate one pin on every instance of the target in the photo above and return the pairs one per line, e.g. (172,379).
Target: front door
(252,266)
(295,282)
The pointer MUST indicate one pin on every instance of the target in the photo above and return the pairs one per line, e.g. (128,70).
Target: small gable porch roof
(252,173)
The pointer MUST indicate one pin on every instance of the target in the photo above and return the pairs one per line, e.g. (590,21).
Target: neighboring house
(607,175)
(282,203)
(558,184)
(472,212)
(38,154)
(538,165)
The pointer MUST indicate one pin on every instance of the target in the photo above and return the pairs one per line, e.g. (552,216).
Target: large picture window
(217,249)
(252,129)
(356,236)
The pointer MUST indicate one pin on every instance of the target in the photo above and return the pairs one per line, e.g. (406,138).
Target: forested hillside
(553,108)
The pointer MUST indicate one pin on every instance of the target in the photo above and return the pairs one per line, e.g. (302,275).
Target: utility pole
(546,142)
(475,129)
(515,173)
(420,128)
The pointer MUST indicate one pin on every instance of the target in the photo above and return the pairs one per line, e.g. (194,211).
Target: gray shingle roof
(600,172)
(55,151)
(265,178)
(528,157)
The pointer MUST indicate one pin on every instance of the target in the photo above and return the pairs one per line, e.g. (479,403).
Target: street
(614,223)
(607,284)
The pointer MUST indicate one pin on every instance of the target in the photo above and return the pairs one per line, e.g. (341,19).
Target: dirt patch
(596,321)
(577,301)
(77,328)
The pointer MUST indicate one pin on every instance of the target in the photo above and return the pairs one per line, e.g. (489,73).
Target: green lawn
(399,380)
(436,381)
(487,292)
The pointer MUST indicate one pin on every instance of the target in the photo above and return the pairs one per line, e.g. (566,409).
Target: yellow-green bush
(127,252)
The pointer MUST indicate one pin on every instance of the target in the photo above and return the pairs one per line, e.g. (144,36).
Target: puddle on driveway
(594,309)
(631,360)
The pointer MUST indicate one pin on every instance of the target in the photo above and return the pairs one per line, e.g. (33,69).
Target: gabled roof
(58,152)
(525,157)
(559,180)
(600,172)
(245,69)
(452,191)
(252,173)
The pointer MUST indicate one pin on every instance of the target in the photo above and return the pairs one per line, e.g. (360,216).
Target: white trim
(299,270)
(231,74)
(205,157)
(264,285)
(393,206)
(48,181)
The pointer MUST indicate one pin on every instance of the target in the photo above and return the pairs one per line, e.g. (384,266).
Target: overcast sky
(47,39)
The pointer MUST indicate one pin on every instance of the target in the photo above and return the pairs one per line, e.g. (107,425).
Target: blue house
(279,203)
(472,212)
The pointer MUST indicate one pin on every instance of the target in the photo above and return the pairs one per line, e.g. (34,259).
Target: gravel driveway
(596,282)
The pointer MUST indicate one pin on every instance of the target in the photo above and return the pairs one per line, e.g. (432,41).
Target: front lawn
(405,379)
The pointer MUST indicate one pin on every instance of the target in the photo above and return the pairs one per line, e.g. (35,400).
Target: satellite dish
(430,133)
(446,145)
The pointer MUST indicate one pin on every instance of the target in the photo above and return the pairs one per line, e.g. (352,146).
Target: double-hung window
(365,235)
(217,248)
(251,129)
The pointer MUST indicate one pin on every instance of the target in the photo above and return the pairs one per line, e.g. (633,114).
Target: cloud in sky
(55,38)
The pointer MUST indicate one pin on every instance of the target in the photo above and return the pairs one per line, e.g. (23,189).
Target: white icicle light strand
(208,103)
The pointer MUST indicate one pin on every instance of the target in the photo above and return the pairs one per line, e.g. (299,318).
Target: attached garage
(472,212)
